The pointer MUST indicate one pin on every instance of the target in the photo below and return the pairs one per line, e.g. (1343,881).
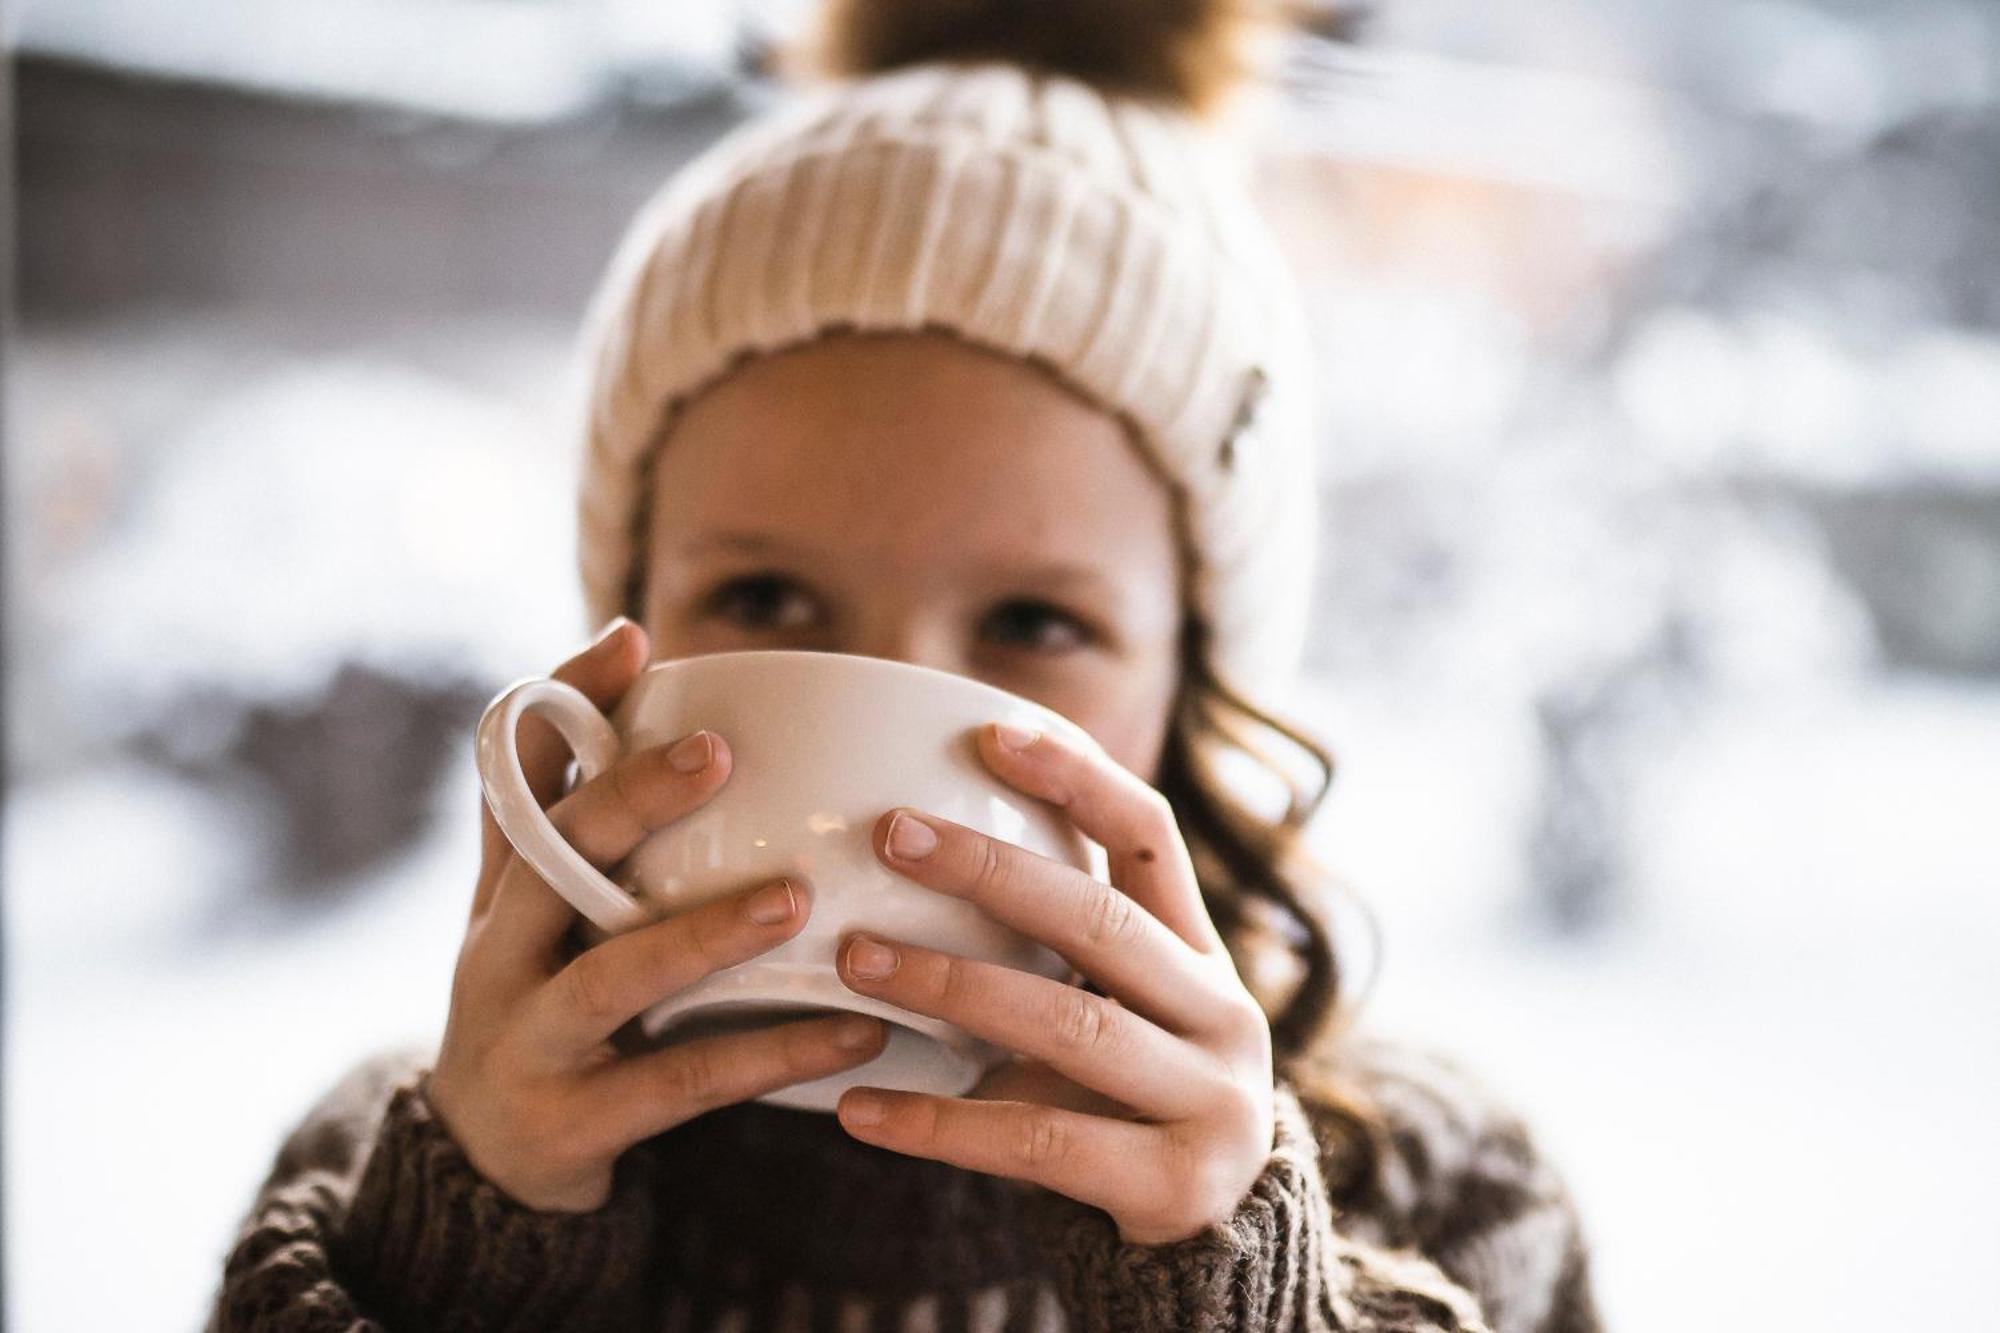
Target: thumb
(607,665)
(603,671)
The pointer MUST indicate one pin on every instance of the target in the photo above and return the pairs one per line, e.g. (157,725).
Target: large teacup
(822,744)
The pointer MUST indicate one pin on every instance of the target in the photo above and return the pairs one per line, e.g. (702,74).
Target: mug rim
(891,666)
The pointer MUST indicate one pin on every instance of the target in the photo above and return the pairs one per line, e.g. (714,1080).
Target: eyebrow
(1058,574)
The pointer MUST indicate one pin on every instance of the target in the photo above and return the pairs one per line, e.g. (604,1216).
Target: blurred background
(1659,635)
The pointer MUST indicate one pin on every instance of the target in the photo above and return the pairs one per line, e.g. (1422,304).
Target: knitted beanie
(1107,237)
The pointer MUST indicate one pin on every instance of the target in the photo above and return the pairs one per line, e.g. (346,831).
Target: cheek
(1127,712)
(665,628)
(675,632)
(673,619)
(673,638)
(1143,741)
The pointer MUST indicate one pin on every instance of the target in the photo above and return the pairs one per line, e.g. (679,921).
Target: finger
(1104,934)
(606,819)
(1090,1039)
(1115,808)
(637,1097)
(605,986)
(603,671)
(1089,1158)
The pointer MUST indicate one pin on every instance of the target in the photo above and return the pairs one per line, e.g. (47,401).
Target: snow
(1771,1085)
(1775,394)
(339,464)
(157,1061)
(464,58)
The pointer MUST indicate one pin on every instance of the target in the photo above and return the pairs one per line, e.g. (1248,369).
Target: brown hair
(1266,892)
(1270,898)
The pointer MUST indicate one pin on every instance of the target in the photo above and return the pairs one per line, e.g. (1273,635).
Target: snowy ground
(1773,1089)
(1771,1086)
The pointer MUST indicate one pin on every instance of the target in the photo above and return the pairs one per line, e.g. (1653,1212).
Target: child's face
(915,498)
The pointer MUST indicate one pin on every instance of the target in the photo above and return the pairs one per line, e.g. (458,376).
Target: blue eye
(1036,625)
(762,602)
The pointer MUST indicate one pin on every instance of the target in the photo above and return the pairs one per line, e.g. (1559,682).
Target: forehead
(913,449)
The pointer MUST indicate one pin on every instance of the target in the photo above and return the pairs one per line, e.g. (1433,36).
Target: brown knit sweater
(1429,1211)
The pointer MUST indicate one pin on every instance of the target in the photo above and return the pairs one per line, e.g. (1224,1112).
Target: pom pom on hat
(1189,53)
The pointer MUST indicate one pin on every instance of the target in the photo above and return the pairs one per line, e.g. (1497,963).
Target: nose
(919,640)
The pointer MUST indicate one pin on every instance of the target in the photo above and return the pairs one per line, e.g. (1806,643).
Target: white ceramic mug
(822,744)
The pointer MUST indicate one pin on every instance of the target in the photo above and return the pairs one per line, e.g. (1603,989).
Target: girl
(978,359)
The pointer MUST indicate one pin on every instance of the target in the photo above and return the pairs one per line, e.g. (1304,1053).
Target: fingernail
(911,839)
(693,753)
(1015,738)
(769,906)
(861,1108)
(610,630)
(870,959)
(855,1033)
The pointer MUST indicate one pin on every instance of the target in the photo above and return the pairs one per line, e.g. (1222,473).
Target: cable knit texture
(1440,1218)
(1276,1264)
(430,1241)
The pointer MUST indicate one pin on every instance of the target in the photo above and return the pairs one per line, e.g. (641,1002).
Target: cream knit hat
(1107,238)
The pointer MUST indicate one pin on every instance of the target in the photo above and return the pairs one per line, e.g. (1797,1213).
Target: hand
(527,1080)
(1152,1101)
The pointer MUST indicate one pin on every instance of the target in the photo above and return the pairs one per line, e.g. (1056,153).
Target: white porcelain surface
(823,744)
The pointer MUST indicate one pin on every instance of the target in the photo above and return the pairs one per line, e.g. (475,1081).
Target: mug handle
(497,753)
